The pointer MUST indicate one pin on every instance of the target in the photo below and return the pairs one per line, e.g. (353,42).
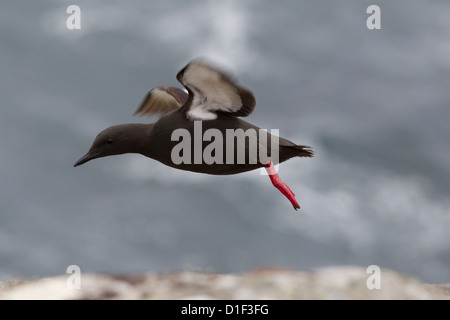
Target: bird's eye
(109,141)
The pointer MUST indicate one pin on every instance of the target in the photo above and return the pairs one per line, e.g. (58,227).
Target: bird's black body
(161,144)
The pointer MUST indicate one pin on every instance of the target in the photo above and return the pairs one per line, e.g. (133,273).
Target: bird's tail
(302,151)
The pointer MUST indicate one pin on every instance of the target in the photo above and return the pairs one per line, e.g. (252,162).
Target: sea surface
(374,105)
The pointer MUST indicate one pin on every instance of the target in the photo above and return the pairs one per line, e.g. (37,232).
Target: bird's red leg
(280,185)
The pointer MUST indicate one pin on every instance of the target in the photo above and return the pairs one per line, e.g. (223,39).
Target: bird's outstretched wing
(211,91)
(162,100)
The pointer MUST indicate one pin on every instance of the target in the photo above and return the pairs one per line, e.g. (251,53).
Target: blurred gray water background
(373,104)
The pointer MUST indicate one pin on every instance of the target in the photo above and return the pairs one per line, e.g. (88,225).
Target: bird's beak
(87,157)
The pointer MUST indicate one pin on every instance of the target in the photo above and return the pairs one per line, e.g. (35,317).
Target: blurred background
(374,105)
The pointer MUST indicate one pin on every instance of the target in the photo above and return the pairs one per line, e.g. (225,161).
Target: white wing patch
(212,91)
(201,114)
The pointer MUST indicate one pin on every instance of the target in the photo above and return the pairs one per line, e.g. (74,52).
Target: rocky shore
(264,283)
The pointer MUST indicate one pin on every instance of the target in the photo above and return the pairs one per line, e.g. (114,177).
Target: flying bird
(200,129)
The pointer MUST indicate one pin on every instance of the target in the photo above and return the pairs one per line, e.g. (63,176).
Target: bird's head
(119,139)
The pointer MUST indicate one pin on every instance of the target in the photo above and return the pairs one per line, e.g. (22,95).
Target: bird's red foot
(280,185)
